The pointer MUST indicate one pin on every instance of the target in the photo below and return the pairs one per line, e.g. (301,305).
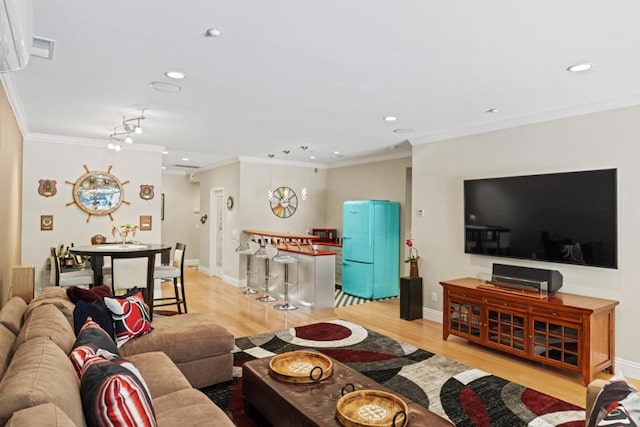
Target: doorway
(216,232)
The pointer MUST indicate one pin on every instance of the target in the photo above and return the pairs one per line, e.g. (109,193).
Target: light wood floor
(242,315)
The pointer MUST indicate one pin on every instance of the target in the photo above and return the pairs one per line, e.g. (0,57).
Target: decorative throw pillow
(130,316)
(114,394)
(98,311)
(76,294)
(617,404)
(92,333)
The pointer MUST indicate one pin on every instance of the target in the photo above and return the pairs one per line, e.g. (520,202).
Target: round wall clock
(284,202)
(229,203)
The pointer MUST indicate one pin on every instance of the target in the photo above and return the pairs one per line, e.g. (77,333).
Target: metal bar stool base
(266,298)
(285,307)
(249,291)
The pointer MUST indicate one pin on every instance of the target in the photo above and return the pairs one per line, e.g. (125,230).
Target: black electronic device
(566,217)
(526,278)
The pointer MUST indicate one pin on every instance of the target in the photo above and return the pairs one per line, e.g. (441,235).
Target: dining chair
(128,271)
(68,278)
(174,272)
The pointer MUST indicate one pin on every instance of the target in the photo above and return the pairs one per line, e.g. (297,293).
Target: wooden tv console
(571,332)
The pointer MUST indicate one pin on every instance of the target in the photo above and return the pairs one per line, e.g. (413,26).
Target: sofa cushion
(47,321)
(12,313)
(114,394)
(183,338)
(98,311)
(130,317)
(190,404)
(56,296)
(6,348)
(160,373)
(40,372)
(45,415)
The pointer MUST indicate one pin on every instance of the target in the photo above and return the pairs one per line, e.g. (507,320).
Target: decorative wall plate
(284,202)
(47,187)
(146,192)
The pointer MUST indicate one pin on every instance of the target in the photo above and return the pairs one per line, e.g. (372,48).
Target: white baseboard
(431,314)
(192,262)
(628,368)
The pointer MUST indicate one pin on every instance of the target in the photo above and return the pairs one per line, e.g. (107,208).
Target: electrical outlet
(434,296)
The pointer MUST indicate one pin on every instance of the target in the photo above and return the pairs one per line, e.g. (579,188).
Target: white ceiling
(287,73)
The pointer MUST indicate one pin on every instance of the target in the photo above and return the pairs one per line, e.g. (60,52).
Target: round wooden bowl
(371,408)
(301,367)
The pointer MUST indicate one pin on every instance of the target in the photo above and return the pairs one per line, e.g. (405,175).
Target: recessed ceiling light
(165,87)
(492,110)
(163,167)
(212,32)
(165,152)
(336,152)
(579,67)
(312,157)
(176,75)
(390,118)
(403,130)
(185,159)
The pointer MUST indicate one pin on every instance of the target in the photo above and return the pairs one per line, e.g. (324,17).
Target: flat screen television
(560,217)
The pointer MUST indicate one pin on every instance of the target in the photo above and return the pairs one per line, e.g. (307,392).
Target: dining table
(123,250)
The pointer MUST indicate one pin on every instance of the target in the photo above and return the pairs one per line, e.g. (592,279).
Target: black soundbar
(526,278)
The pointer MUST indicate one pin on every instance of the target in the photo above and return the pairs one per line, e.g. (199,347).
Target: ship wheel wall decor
(284,202)
(98,193)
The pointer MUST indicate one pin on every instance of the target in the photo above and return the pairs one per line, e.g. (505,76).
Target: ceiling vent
(43,48)
(187,166)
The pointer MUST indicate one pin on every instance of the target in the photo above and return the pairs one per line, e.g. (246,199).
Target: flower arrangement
(413,251)
(123,231)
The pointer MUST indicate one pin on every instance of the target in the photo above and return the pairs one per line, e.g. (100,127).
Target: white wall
(181,223)
(603,140)
(63,162)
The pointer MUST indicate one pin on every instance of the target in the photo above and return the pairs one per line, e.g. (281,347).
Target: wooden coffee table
(287,404)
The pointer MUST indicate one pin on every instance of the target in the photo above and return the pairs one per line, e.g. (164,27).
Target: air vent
(187,166)
(43,48)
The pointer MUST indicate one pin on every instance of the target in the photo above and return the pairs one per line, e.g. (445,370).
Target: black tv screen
(561,217)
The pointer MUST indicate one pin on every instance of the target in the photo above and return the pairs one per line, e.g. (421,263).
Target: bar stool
(286,260)
(269,253)
(250,250)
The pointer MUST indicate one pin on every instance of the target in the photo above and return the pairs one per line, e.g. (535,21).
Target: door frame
(216,206)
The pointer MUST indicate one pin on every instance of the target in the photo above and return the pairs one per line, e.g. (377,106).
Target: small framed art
(46,222)
(145,222)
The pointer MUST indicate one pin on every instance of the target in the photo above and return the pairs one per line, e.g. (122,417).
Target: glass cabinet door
(557,342)
(465,318)
(506,329)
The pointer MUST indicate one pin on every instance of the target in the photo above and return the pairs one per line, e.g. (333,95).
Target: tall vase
(413,268)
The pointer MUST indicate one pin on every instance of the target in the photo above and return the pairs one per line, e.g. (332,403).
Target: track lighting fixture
(129,126)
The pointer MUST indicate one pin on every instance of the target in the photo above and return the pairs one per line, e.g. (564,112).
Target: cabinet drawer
(557,314)
(464,295)
(506,304)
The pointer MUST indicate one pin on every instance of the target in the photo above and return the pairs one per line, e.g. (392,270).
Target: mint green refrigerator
(371,248)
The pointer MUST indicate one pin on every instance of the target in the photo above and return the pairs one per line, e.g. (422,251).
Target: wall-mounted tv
(560,217)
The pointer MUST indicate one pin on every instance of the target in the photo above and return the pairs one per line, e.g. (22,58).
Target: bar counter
(315,270)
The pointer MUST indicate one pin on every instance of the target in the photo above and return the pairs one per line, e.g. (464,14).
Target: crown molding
(87,142)
(562,113)
(362,161)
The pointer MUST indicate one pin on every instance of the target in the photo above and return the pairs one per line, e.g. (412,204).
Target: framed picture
(46,222)
(162,207)
(145,222)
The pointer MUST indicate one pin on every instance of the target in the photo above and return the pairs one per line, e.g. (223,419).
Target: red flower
(409,243)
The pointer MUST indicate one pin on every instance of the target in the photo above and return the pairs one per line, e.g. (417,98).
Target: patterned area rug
(463,395)
(343,300)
